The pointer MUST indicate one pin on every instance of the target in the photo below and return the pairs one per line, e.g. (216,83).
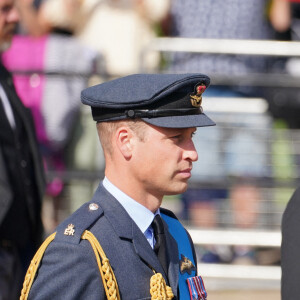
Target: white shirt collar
(7,108)
(141,215)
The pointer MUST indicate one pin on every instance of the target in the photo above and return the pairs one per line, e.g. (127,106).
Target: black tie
(160,247)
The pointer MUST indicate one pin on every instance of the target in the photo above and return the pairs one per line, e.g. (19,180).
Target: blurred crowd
(62,46)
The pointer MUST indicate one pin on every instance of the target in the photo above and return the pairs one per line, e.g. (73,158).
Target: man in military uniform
(145,124)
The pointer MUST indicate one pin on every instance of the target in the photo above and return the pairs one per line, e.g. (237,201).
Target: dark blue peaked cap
(165,100)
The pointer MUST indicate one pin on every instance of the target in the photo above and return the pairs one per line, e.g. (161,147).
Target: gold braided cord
(159,289)
(108,277)
(34,264)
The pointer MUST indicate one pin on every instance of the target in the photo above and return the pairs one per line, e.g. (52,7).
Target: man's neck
(131,189)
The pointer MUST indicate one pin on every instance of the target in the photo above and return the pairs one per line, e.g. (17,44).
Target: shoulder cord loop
(158,288)
(108,277)
(106,272)
(34,264)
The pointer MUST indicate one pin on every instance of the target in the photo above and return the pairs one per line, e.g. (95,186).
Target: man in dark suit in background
(21,175)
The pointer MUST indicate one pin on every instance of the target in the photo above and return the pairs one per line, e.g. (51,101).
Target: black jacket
(22,180)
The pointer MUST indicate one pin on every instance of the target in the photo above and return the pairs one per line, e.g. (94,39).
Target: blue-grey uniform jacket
(69,270)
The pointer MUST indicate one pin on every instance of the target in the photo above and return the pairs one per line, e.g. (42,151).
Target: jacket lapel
(145,252)
(126,229)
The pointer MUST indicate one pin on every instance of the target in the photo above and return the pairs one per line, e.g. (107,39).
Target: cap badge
(196,97)
(70,230)
(186,265)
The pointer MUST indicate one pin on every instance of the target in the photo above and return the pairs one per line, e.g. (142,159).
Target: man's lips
(186,172)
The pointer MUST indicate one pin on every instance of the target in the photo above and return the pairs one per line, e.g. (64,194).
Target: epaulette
(71,229)
(82,219)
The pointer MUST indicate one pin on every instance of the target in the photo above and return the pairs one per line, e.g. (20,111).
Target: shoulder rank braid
(30,274)
(158,288)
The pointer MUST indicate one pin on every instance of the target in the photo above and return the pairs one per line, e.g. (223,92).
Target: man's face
(8,20)
(163,160)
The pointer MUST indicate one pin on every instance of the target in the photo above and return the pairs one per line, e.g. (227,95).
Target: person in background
(21,175)
(44,77)
(224,158)
(118,29)
(290,264)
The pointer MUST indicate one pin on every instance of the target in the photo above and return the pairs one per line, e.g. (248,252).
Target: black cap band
(147,113)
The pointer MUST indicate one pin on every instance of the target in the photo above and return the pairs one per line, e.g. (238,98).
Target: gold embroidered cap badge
(196,97)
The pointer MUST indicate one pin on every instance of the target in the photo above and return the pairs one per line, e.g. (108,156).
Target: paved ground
(244,295)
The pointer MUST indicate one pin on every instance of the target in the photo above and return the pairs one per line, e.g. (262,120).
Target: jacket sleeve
(68,272)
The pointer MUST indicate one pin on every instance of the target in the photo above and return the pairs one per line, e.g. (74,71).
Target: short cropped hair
(107,129)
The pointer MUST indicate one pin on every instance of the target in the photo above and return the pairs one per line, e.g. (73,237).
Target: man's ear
(123,138)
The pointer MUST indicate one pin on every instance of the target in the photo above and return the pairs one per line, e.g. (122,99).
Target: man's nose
(191,152)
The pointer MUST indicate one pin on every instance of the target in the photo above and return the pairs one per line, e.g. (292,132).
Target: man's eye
(176,137)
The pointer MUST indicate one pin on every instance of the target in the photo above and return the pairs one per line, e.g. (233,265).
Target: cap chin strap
(155,113)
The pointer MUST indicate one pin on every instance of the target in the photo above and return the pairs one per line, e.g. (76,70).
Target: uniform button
(23,163)
(93,206)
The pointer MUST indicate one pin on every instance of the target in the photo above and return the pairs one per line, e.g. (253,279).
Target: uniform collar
(141,215)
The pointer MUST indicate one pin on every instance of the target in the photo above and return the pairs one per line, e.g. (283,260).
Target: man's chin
(178,189)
